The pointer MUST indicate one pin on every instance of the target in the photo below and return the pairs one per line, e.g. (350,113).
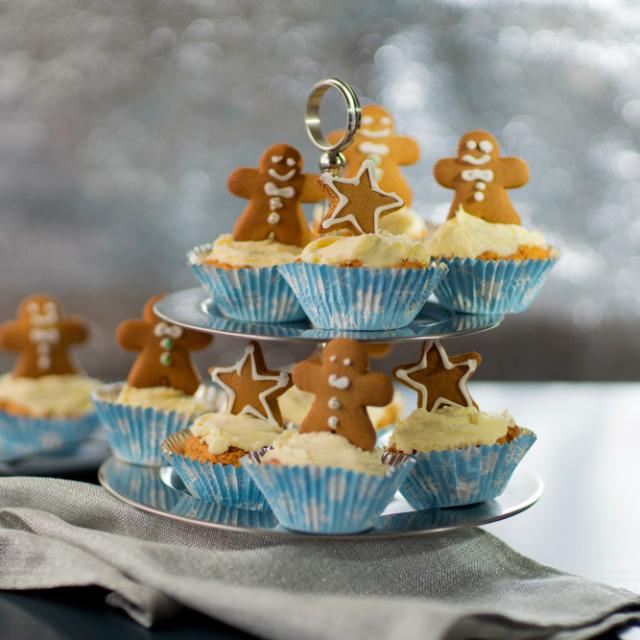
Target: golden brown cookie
(377,140)
(42,335)
(344,388)
(439,379)
(275,191)
(165,358)
(251,387)
(357,204)
(480,178)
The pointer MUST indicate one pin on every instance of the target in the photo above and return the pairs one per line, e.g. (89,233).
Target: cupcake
(368,281)
(207,455)
(162,393)
(495,265)
(463,455)
(329,477)
(45,402)
(240,270)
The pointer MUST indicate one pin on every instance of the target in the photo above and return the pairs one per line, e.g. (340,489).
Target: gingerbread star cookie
(343,387)
(357,203)
(439,379)
(251,387)
(164,359)
(377,140)
(275,191)
(43,335)
(480,178)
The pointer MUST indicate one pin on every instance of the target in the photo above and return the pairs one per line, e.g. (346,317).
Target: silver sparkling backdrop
(119,122)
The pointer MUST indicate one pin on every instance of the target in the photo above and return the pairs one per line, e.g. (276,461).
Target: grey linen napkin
(469,584)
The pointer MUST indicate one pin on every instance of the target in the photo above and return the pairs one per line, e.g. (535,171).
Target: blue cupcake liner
(221,483)
(135,433)
(326,500)
(492,286)
(23,435)
(247,294)
(458,477)
(221,514)
(361,298)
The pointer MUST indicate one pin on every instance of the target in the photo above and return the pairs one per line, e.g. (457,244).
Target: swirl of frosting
(223,430)
(467,236)
(324,449)
(67,395)
(449,428)
(367,250)
(250,253)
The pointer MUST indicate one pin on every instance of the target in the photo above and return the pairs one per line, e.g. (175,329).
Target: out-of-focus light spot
(631,113)
(587,314)
(627,164)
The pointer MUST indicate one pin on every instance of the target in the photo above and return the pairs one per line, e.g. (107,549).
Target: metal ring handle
(332,159)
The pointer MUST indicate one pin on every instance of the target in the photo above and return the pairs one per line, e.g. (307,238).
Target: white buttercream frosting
(223,430)
(324,449)
(368,249)
(66,395)
(449,428)
(251,253)
(164,398)
(468,236)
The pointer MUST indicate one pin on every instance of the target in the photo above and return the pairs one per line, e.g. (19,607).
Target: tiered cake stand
(160,491)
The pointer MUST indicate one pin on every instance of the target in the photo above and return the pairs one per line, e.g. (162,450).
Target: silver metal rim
(530,479)
(172,305)
(332,158)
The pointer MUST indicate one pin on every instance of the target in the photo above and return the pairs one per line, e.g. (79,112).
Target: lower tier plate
(192,308)
(160,491)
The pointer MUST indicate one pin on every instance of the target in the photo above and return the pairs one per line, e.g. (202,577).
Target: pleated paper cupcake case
(462,476)
(492,286)
(24,435)
(247,294)
(361,298)
(325,500)
(220,483)
(136,433)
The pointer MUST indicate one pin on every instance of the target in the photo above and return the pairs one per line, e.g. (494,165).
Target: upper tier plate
(193,309)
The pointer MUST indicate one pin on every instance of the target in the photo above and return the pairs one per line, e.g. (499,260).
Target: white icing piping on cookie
(283,177)
(423,392)
(468,158)
(282,379)
(329,180)
(44,339)
(341,382)
(381,133)
(373,148)
(482,177)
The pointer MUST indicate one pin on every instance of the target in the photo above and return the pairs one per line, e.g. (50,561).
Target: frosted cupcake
(463,455)
(162,393)
(329,477)
(207,455)
(45,403)
(240,270)
(495,265)
(368,281)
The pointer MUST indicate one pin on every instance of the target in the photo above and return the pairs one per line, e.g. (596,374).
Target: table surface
(586,523)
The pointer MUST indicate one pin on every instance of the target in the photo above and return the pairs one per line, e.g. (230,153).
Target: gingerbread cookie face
(251,387)
(275,191)
(343,387)
(357,204)
(164,358)
(377,141)
(43,336)
(480,178)
(438,379)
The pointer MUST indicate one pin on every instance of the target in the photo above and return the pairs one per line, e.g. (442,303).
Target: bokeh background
(119,122)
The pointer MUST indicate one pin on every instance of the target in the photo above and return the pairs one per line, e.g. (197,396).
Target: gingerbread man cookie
(251,387)
(480,178)
(42,336)
(438,379)
(164,359)
(376,140)
(357,204)
(275,191)
(344,388)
